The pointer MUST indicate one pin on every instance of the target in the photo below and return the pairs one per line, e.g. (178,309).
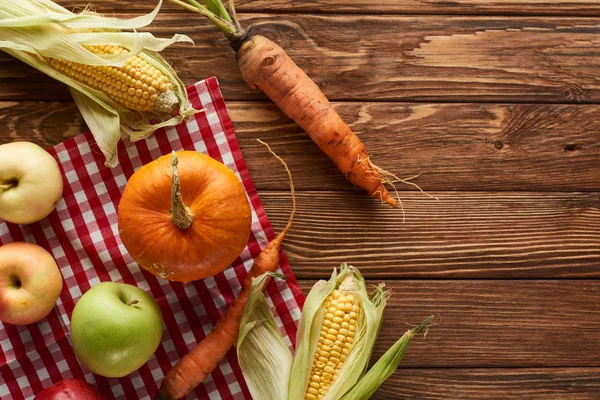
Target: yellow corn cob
(137,85)
(335,341)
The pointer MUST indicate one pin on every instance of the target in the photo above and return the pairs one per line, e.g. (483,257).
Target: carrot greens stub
(336,335)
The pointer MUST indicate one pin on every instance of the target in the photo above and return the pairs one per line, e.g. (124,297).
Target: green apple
(115,328)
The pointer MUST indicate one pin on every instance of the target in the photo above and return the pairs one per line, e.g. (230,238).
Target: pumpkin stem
(181,215)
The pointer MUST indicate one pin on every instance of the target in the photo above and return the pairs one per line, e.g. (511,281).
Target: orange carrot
(266,66)
(195,366)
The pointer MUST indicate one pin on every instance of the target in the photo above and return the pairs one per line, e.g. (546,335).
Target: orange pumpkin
(184,216)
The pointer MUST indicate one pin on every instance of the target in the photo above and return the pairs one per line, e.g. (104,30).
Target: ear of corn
(118,80)
(336,335)
(137,85)
(336,340)
(355,342)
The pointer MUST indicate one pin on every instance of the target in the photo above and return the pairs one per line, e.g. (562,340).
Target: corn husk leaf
(379,298)
(35,30)
(264,357)
(384,367)
(38,12)
(100,118)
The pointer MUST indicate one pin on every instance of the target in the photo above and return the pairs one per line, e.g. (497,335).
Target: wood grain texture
(487,100)
(421,58)
(454,146)
(492,384)
(463,235)
(494,323)
(44,123)
(468,147)
(459,7)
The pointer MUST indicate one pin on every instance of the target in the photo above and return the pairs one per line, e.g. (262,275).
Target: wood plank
(463,235)
(420,58)
(459,7)
(455,146)
(44,123)
(494,323)
(492,384)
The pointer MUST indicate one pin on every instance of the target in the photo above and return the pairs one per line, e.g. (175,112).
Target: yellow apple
(30,283)
(30,183)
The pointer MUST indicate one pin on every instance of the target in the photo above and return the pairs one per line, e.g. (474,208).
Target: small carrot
(195,366)
(266,66)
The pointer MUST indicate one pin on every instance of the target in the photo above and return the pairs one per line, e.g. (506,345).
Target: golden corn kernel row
(137,85)
(335,342)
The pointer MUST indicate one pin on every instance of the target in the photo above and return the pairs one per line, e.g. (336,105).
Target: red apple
(30,283)
(69,389)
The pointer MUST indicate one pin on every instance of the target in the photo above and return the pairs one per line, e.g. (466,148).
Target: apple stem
(181,215)
(16,281)
(6,186)
(133,302)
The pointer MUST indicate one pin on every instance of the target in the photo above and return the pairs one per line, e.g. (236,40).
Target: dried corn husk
(272,373)
(35,31)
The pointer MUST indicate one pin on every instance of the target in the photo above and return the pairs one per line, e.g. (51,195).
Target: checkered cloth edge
(82,235)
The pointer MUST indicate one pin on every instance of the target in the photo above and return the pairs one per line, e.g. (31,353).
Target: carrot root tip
(391,179)
(161,395)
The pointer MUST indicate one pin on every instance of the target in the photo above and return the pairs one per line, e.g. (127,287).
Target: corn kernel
(335,339)
(136,75)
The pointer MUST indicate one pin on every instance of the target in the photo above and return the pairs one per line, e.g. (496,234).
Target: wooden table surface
(495,103)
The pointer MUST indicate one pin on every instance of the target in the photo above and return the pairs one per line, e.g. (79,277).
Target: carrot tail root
(285,230)
(391,179)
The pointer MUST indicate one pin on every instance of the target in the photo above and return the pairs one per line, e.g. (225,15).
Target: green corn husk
(384,367)
(272,373)
(36,30)
(269,377)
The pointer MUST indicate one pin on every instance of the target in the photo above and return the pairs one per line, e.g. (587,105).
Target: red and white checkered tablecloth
(82,235)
